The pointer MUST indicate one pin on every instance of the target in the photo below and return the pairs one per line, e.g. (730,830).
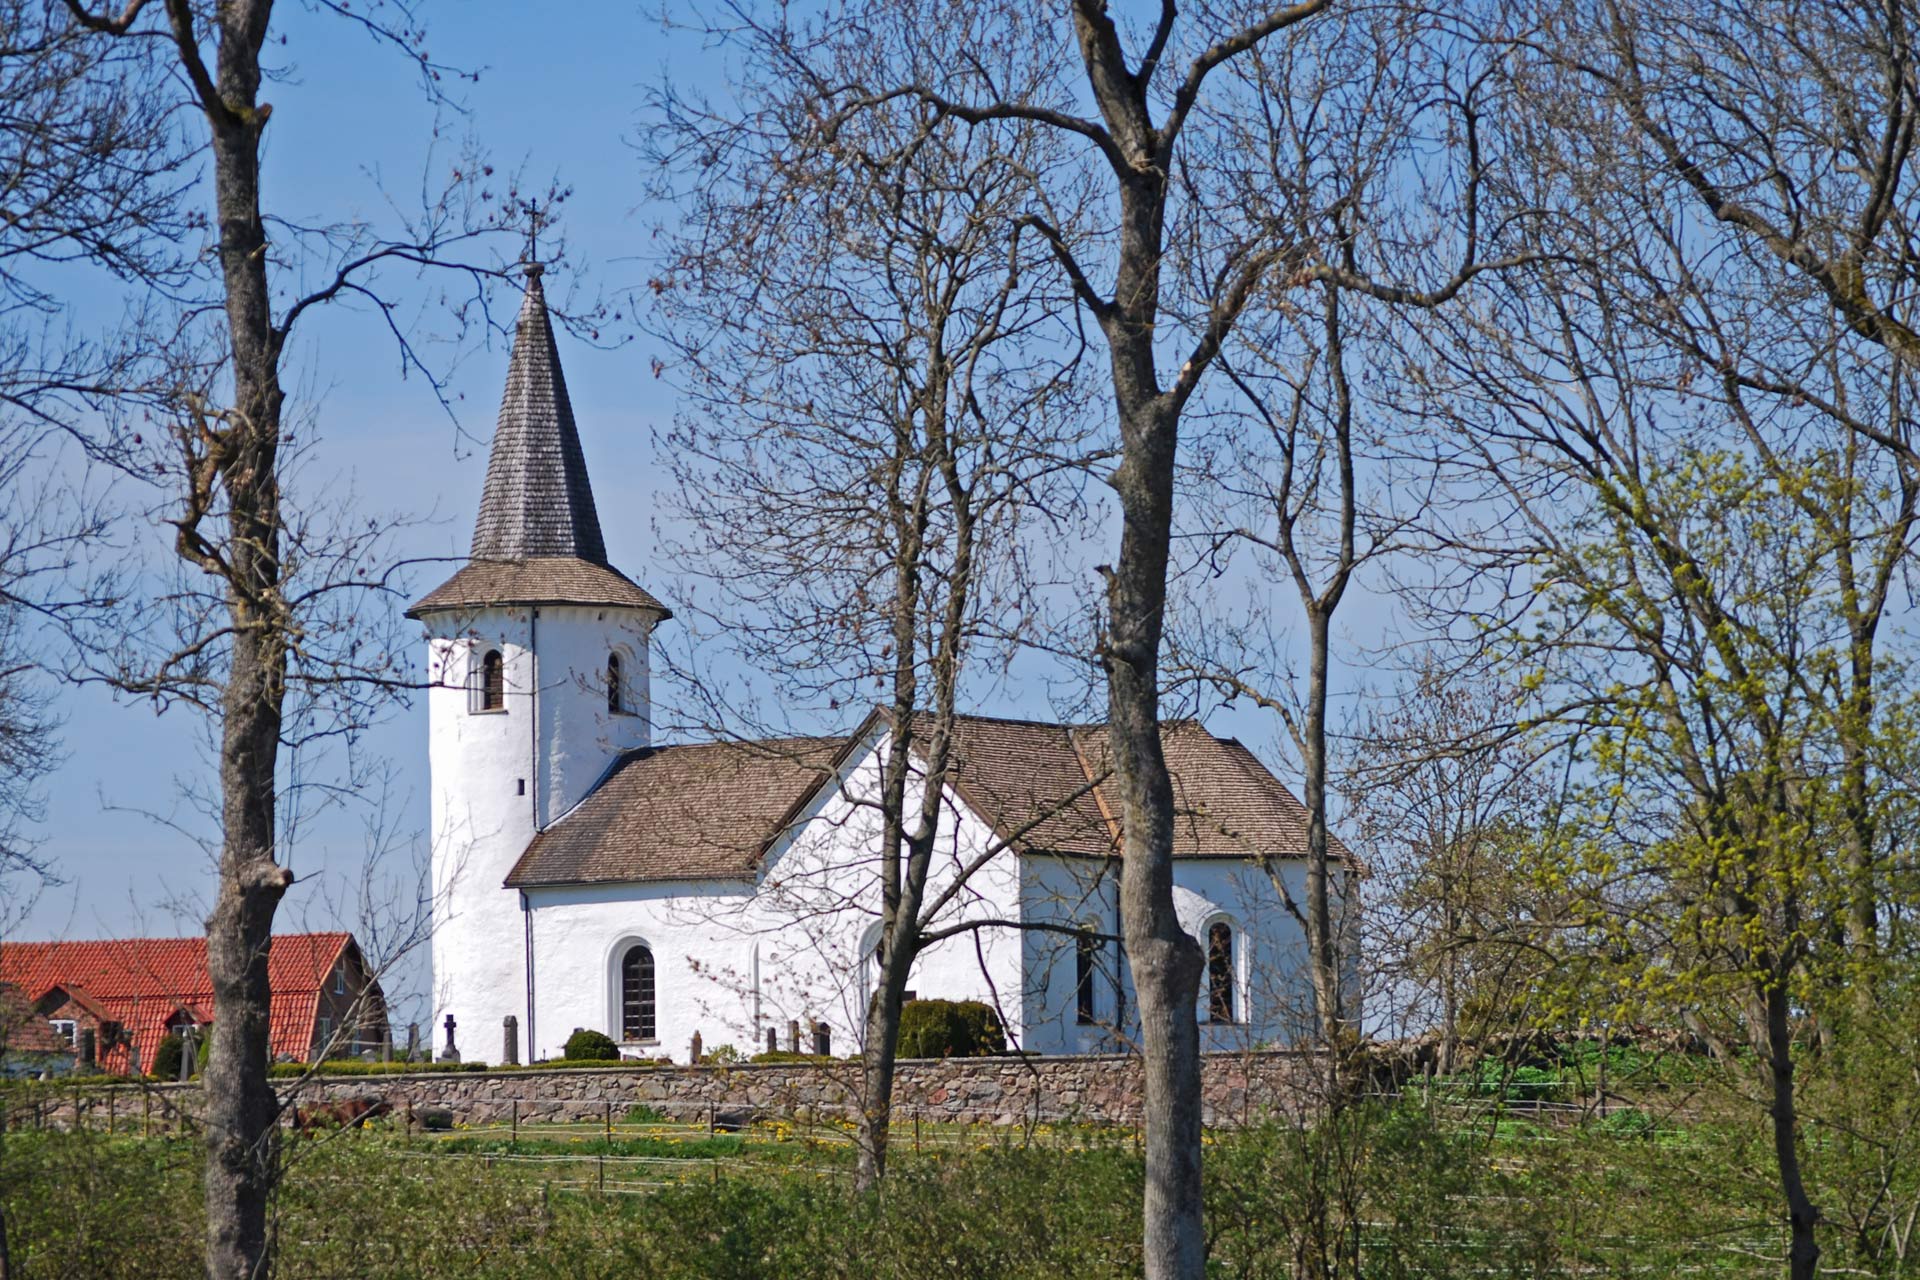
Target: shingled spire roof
(537,538)
(537,501)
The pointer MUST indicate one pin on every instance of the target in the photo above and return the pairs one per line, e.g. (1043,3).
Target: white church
(586,876)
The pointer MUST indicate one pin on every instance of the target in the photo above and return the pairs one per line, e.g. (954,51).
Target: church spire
(537,501)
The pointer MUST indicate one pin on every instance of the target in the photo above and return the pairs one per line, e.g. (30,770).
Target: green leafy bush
(781,1055)
(591,1046)
(723,1055)
(166,1057)
(950,1029)
(354,1067)
(1629,1122)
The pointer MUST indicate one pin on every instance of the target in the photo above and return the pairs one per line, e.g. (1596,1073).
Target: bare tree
(1185,253)
(270,596)
(884,415)
(1444,790)
(90,169)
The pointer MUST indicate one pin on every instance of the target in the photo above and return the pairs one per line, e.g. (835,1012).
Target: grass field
(1473,1180)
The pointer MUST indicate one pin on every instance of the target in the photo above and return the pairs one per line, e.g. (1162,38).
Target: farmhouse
(29,1046)
(131,992)
(586,876)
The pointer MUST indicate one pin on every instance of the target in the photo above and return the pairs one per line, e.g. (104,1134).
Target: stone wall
(1094,1089)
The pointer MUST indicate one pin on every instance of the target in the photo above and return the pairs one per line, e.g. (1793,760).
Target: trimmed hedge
(950,1029)
(591,1046)
(352,1067)
(602,1064)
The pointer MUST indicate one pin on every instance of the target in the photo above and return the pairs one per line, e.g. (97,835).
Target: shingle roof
(537,502)
(542,581)
(700,811)
(710,811)
(536,539)
(142,982)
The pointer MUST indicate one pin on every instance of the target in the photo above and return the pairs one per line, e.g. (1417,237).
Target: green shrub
(950,1029)
(354,1067)
(1630,1122)
(723,1055)
(591,1046)
(781,1055)
(166,1058)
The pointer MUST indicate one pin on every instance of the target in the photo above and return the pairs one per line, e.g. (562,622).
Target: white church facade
(586,876)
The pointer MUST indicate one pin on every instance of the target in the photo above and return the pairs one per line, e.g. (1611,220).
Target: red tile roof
(142,983)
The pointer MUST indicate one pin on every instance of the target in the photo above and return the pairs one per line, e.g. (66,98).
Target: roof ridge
(200,938)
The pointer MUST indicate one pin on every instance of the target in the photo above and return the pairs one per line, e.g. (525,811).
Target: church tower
(538,669)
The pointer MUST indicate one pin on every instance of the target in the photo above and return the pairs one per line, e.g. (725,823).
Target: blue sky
(559,94)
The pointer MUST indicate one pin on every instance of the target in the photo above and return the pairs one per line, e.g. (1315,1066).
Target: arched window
(1086,951)
(492,686)
(615,698)
(1220,972)
(636,994)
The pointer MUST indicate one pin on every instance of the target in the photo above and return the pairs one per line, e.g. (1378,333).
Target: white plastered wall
(1271,999)
(498,775)
(732,959)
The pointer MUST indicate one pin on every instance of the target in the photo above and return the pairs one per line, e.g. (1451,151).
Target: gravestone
(413,1042)
(693,1053)
(773,1041)
(822,1040)
(510,1041)
(450,1053)
(189,1053)
(793,1035)
(386,1043)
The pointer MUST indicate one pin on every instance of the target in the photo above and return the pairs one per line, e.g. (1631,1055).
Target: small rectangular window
(64,1028)
(340,981)
(326,1031)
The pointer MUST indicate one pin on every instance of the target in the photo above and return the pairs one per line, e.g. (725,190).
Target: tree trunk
(1322,948)
(1166,961)
(876,1081)
(1803,1251)
(240,1105)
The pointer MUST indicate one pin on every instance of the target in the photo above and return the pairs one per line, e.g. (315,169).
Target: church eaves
(537,501)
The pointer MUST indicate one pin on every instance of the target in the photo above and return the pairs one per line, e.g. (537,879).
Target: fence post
(516,1119)
(603,1176)
(146,1114)
(113,1097)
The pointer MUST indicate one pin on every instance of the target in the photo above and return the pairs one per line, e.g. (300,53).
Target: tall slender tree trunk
(240,1105)
(1322,946)
(1165,960)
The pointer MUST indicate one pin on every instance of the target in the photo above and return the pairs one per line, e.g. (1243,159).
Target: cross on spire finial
(535,219)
